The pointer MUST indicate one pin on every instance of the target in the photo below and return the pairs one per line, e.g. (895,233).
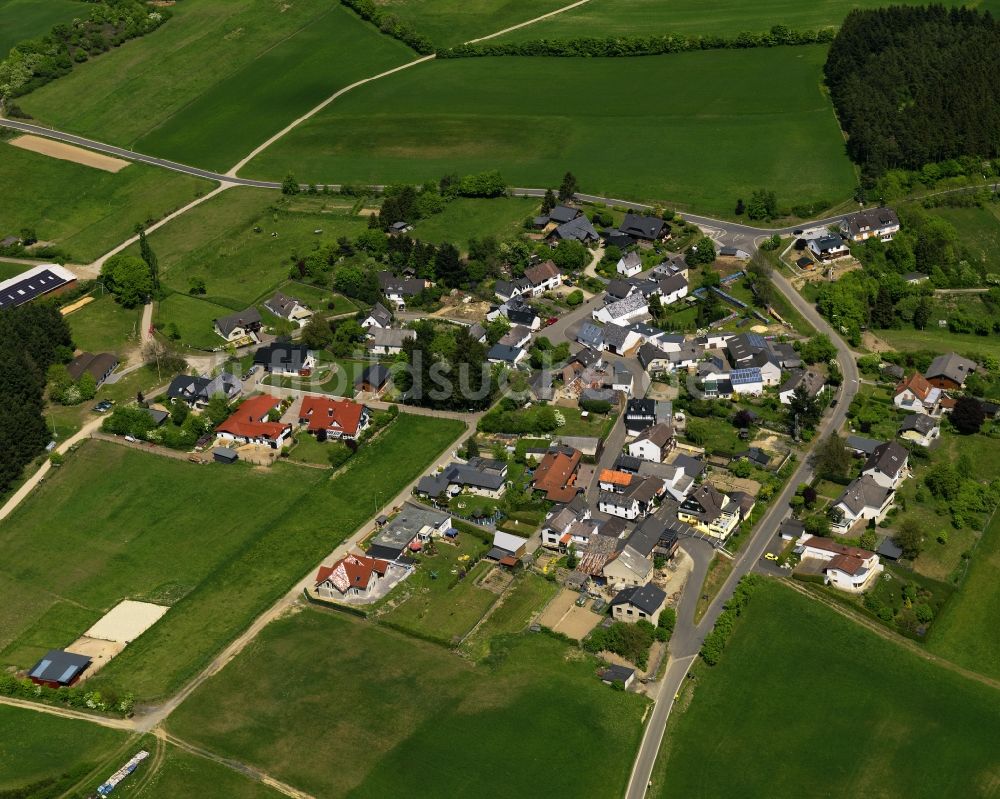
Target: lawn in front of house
(417,698)
(901,708)
(594,425)
(193,319)
(468,218)
(436,601)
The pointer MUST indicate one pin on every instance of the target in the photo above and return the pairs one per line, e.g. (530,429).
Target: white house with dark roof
(949,371)
(872,223)
(240,326)
(809,379)
(887,465)
(638,602)
(378,318)
(619,339)
(863,500)
(654,443)
(629,264)
(644,228)
(542,277)
(289,308)
(919,428)
(627,568)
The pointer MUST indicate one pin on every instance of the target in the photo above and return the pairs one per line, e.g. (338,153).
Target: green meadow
(86,211)
(218,547)
(722,124)
(218,79)
(432,724)
(29,19)
(600,18)
(834,710)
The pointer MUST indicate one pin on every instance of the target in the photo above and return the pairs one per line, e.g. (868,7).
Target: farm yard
(901,708)
(288,517)
(467,115)
(217,79)
(417,696)
(86,211)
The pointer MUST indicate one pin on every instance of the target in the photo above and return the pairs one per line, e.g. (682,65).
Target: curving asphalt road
(687,638)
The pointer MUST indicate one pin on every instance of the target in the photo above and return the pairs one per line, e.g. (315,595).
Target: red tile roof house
(249,424)
(328,418)
(556,475)
(850,569)
(352,576)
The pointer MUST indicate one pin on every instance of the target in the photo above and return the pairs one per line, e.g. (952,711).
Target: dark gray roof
(591,335)
(648,598)
(620,308)
(381,314)
(578,229)
(477,472)
(862,444)
(395,535)
(649,353)
(246,317)
(888,548)
(504,352)
(861,493)
(615,336)
(628,463)
(642,227)
(673,283)
(919,422)
(18,292)
(870,219)
(651,533)
(616,673)
(888,458)
(59,666)
(791,528)
(619,289)
(375,375)
(158,417)
(406,287)
(563,213)
(286,356)
(281,304)
(951,366)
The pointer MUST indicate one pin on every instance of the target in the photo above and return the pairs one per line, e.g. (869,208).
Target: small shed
(622,675)
(889,549)
(158,417)
(225,455)
(59,668)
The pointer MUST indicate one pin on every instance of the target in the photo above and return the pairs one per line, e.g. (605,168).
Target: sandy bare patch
(126,621)
(69,152)
(368,212)
(76,306)
(98,650)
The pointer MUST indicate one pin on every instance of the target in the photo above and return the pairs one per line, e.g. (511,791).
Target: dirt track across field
(69,152)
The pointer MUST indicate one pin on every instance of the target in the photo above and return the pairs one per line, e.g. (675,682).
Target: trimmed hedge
(715,642)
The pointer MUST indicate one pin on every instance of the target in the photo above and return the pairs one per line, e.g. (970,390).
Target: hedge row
(78,697)
(715,642)
(391,25)
(626,46)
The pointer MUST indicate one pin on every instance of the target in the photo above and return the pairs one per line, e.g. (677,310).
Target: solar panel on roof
(68,674)
(745,376)
(41,668)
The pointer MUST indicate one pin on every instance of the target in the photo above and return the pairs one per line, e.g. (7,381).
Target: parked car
(250,372)
(133,439)
(551,321)
(104,406)
(770,556)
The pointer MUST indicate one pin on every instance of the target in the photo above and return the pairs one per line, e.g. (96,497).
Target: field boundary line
(570,7)
(312,112)
(68,713)
(892,637)
(239,767)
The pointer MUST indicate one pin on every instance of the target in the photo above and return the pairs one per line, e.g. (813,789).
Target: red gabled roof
(845,563)
(324,413)
(916,383)
(556,474)
(246,420)
(351,571)
(615,477)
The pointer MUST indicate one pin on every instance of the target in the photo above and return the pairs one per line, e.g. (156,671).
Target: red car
(551,321)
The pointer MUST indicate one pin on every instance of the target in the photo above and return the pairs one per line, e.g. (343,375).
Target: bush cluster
(108,24)
(72,696)
(391,25)
(631,641)
(625,46)
(715,642)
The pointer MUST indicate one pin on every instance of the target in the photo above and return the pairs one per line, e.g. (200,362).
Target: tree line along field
(27,19)
(218,547)
(719,124)
(601,18)
(85,211)
(844,712)
(433,724)
(218,79)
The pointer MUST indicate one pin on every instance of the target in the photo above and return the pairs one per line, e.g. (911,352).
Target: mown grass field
(940,340)
(218,79)
(105,326)
(86,211)
(726,123)
(526,597)
(978,230)
(832,714)
(466,218)
(29,19)
(433,724)
(37,747)
(601,18)
(967,631)
(193,317)
(218,546)
(216,242)
(449,22)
